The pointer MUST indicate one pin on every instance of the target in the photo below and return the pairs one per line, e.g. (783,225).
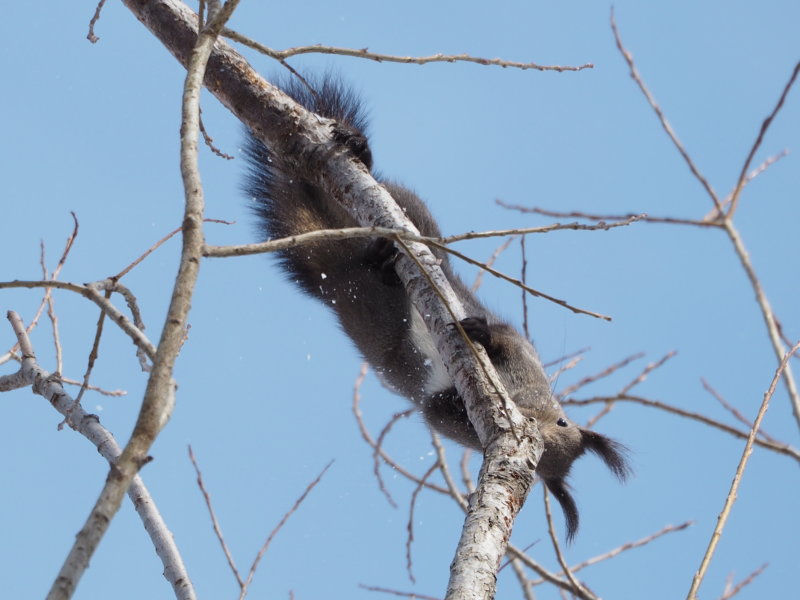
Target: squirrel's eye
(561,423)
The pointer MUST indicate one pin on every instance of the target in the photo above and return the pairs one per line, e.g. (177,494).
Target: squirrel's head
(564,441)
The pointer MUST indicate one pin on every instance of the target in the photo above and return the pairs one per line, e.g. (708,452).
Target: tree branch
(88,425)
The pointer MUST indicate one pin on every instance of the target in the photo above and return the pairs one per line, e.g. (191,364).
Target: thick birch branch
(512,444)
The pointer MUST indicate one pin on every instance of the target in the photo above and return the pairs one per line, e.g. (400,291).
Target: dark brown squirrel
(356,279)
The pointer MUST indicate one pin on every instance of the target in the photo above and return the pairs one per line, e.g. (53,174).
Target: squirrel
(355,277)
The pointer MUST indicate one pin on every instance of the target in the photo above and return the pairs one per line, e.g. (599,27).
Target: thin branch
(566,586)
(46,299)
(492,259)
(571,355)
(412,595)
(91,291)
(214,521)
(157,245)
(307,238)
(282,55)
(524,278)
(410,524)
(737,478)
(476,235)
(524,582)
(646,371)
(466,476)
(577,586)
(763,130)
(743,583)
(455,493)
(597,376)
(401,236)
(94,388)
(626,546)
(397,234)
(775,447)
(732,409)
(95,18)
(663,119)
(713,214)
(518,283)
(769,316)
(93,354)
(636,381)
(210,143)
(356,408)
(605,218)
(278,527)
(378,449)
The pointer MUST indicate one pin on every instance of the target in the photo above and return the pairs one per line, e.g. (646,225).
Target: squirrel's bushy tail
(288,201)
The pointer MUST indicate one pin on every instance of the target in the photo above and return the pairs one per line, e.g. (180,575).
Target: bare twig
(517,282)
(412,595)
(646,371)
(157,245)
(403,236)
(733,410)
(91,291)
(626,546)
(51,311)
(764,127)
(737,478)
(776,447)
(517,553)
(566,357)
(466,476)
(636,381)
(605,218)
(597,376)
(524,582)
(282,55)
(661,117)
(524,278)
(278,527)
(210,143)
(476,235)
(95,18)
(47,298)
(395,234)
(455,493)
(770,320)
(713,214)
(356,407)
(214,521)
(495,255)
(743,583)
(94,388)
(410,524)
(582,590)
(378,449)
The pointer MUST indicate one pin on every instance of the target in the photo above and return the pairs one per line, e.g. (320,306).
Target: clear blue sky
(265,377)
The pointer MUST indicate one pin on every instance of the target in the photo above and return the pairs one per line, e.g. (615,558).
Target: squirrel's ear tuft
(560,490)
(612,452)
